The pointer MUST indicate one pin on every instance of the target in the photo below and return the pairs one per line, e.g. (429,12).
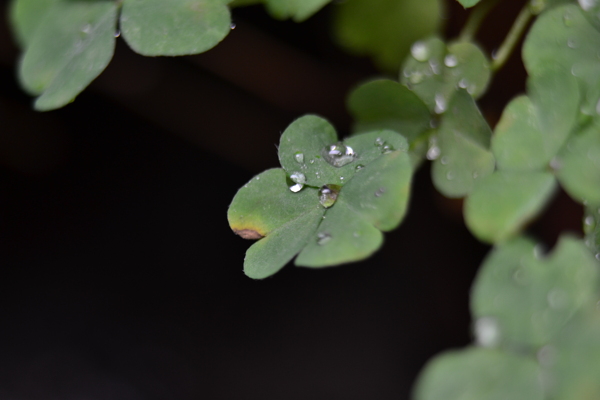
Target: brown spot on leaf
(248,234)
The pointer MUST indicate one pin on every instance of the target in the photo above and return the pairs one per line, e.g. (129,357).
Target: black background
(120,278)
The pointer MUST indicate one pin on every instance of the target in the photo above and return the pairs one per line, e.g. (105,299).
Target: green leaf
(572,363)
(563,37)
(468,3)
(591,228)
(530,299)
(463,139)
(436,73)
(385,104)
(298,10)
(265,207)
(174,28)
(374,199)
(385,29)
(579,165)
(69,49)
(591,10)
(26,16)
(476,374)
(503,202)
(532,129)
(306,144)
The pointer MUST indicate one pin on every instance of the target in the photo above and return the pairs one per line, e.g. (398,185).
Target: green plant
(536,316)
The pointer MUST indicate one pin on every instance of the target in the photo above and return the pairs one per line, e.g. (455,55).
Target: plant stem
(475,19)
(509,43)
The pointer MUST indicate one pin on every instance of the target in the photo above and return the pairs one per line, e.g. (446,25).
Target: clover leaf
(329,202)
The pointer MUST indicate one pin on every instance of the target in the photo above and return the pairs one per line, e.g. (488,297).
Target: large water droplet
(588,4)
(323,238)
(232,26)
(420,51)
(450,61)
(339,154)
(434,152)
(298,177)
(297,187)
(487,332)
(440,103)
(299,157)
(558,298)
(328,195)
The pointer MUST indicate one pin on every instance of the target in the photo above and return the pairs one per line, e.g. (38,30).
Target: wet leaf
(385,104)
(463,139)
(532,298)
(310,146)
(476,373)
(435,72)
(174,28)
(385,29)
(563,37)
(69,49)
(579,165)
(503,202)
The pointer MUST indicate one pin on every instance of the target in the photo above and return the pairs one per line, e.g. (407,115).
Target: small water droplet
(444,160)
(356,234)
(323,238)
(420,51)
(117,33)
(328,195)
(312,161)
(297,187)
(572,44)
(487,332)
(589,220)
(463,83)
(359,167)
(258,178)
(232,26)
(298,177)
(450,175)
(341,178)
(416,78)
(379,142)
(597,256)
(450,61)
(379,192)
(475,175)
(567,19)
(87,28)
(538,251)
(433,153)
(520,276)
(338,154)
(435,66)
(440,103)
(299,157)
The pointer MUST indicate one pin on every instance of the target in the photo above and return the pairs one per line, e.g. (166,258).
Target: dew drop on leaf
(487,332)
(117,33)
(359,167)
(450,61)
(450,175)
(379,192)
(323,238)
(435,67)
(328,195)
(297,187)
(299,157)
(588,4)
(298,177)
(444,160)
(420,51)
(338,154)
(440,103)
(87,28)
(434,152)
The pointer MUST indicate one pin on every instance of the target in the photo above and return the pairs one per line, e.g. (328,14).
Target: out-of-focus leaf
(477,374)
(385,29)
(69,49)
(298,10)
(503,202)
(174,28)
(531,298)
(463,139)
(26,16)
(385,104)
(468,3)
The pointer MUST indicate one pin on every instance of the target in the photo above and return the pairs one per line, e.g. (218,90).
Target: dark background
(120,278)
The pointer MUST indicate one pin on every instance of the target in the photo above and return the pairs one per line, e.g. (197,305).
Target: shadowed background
(120,278)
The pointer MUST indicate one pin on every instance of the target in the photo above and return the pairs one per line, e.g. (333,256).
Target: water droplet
(312,161)
(589,220)
(379,192)
(387,149)
(450,61)
(487,332)
(444,160)
(341,178)
(118,33)
(547,356)
(420,51)
(597,256)
(87,28)
(379,142)
(588,4)
(435,66)
(299,157)
(258,178)
(298,177)
(433,153)
(568,19)
(475,175)
(232,26)
(440,103)
(297,187)
(558,298)
(450,175)
(328,195)
(520,276)
(598,107)
(338,154)
(463,83)
(359,167)
(471,89)
(416,77)
(323,238)
(356,234)
(572,44)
